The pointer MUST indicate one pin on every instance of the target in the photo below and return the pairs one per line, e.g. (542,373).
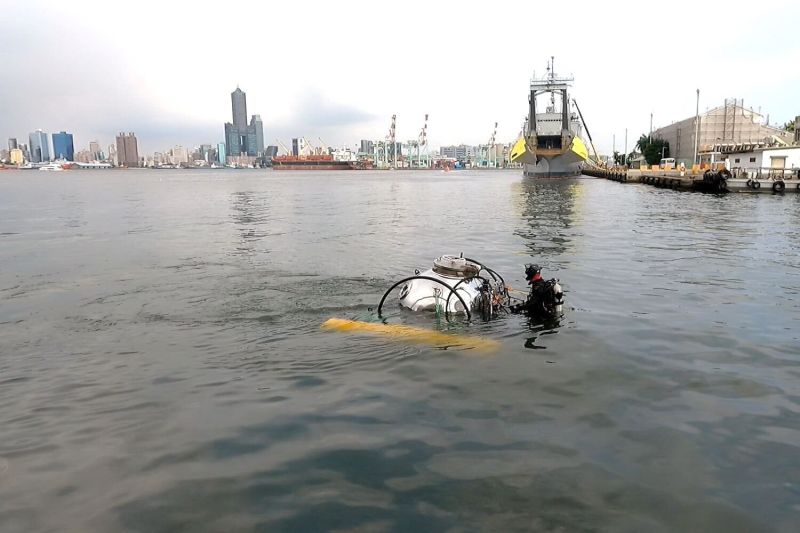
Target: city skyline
(468,71)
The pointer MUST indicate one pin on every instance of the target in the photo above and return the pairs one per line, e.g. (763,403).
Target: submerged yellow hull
(411,334)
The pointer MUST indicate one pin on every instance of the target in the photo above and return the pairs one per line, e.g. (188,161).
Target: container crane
(392,131)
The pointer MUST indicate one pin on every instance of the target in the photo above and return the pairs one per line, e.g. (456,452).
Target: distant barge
(316,162)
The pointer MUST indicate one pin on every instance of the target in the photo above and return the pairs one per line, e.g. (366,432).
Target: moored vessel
(551,145)
(316,162)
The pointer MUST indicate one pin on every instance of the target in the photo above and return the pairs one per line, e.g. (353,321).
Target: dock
(773,181)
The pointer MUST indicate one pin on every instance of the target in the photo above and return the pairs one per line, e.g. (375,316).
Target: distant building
(221,153)
(94,149)
(12,143)
(178,155)
(721,129)
(241,138)
(63,147)
(367,146)
(127,150)
(271,151)
(84,156)
(17,157)
(39,147)
(462,152)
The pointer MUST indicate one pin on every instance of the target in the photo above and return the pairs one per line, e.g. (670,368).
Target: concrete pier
(695,180)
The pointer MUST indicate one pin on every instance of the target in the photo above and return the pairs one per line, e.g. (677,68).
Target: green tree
(789,126)
(642,143)
(655,150)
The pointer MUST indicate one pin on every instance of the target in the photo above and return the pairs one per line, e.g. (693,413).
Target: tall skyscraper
(258,133)
(63,147)
(127,150)
(39,147)
(239,108)
(12,144)
(221,153)
(241,138)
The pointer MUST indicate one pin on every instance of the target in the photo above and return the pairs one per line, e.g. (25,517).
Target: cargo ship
(550,145)
(317,162)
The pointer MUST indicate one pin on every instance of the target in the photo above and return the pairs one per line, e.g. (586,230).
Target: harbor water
(162,365)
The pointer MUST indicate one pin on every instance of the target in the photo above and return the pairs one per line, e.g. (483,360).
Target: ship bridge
(549,126)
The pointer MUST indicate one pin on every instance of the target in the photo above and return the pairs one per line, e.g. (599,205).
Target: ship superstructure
(551,144)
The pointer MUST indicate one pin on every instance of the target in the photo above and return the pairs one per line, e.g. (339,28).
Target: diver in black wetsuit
(545,296)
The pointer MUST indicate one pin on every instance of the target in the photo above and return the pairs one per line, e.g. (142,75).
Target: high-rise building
(239,108)
(271,151)
(127,150)
(258,134)
(94,149)
(179,155)
(39,147)
(367,147)
(63,147)
(12,143)
(241,138)
(221,153)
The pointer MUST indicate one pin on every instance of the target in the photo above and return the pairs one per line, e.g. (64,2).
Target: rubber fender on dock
(756,185)
(749,184)
(778,186)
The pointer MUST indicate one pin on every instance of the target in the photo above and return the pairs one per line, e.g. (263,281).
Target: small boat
(51,167)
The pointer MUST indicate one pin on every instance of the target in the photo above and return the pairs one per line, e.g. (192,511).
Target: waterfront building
(271,151)
(720,130)
(221,153)
(12,143)
(775,158)
(17,157)
(127,150)
(4,155)
(39,147)
(63,147)
(242,138)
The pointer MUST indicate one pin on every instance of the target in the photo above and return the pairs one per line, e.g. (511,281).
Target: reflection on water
(162,365)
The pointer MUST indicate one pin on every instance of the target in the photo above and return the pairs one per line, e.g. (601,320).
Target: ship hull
(553,167)
(312,166)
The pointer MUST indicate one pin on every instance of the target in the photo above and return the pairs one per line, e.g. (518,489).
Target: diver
(545,297)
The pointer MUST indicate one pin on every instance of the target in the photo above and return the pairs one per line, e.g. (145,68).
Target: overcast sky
(339,70)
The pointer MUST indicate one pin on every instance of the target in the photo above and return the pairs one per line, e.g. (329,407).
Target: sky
(338,71)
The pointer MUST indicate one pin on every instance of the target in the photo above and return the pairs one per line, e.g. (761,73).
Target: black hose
(491,272)
(453,291)
(440,282)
